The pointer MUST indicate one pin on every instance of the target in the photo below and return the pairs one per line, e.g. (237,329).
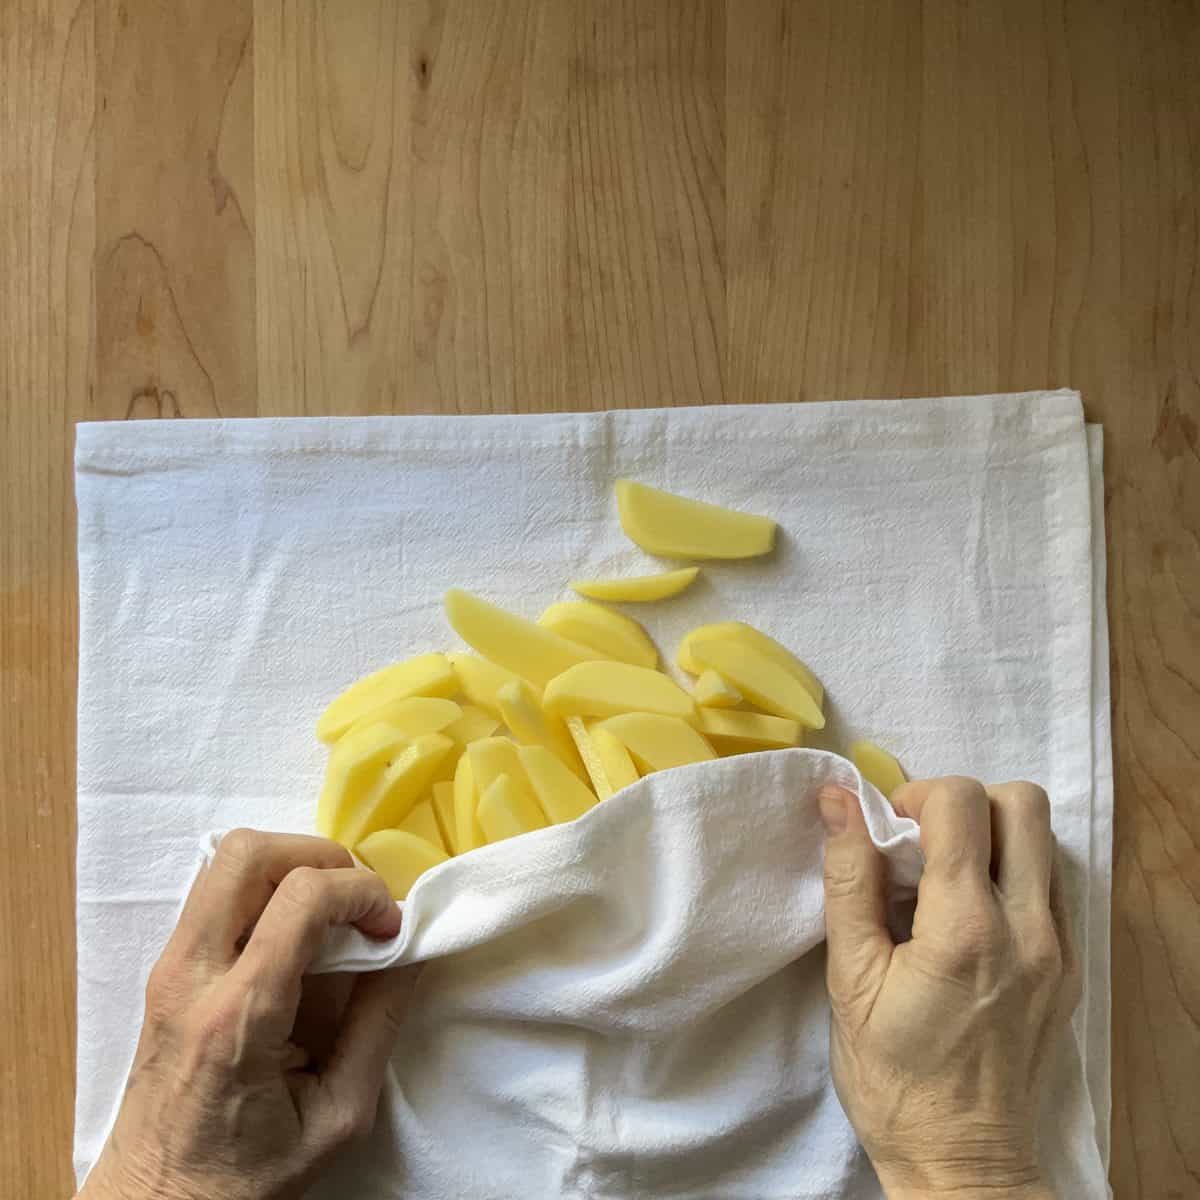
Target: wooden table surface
(276,207)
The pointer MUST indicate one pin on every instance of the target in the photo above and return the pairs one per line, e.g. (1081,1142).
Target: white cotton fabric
(631,1006)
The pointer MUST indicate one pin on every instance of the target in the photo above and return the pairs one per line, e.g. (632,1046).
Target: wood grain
(245,207)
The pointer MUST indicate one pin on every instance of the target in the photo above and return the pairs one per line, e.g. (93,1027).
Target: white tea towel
(935,570)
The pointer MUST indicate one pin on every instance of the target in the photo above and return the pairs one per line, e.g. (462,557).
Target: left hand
(248,1076)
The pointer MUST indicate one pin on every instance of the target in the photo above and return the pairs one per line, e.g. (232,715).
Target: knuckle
(1043,955)
(351,1122)
(214,1028)
(956,788)
(240,846)
(974,936)
(303,887)
(843,876)
(162,988)
(1029,798)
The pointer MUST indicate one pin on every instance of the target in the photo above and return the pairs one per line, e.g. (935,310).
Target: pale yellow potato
(739,631)
(637,589)
(474,723)
(399,859)
(608,763)
(512,642)
(877,766)
(657,743)
(711,691)
(492,757)
(507,810)
(467,833)
(354,765)
(604,689)
(426,675)
(561,795)
(480,680)
(396,790)
(532,726)
(422,822)
(761,680)
(738,732)
(413,716)
(443,809)
(613,634)
(676,527)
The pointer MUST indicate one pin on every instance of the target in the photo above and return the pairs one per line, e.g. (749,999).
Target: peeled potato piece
(443,809)
(761,680)
(877,766)
(426,675)
(739,631)
(354,765)
(638,589)
(480,680)
(511,642)
(604,689)
(507,810)
(561,795)
(531,726)
(608,763)
(422,822)
(412,716)
(399,858)
(467,833)
(612,633)
(676,527)
(474,723)
(737,732)
(657,743)
(395,791)
(711,691)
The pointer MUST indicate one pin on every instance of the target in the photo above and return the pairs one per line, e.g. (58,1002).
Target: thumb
(859,945)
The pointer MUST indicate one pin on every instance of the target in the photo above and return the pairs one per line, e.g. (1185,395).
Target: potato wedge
(399,858)
(761,680)
(613,634)
(655,742)
(739,631)
(532,726)
(877,766)
(422,822)
(637,589)
(354,765)
(413,716)
(467,833)
(512,642)
(604,689)
(561,795)
(739,732)
(608,763)
(676,527)
(426,675)
(507,810)
(480,680)
(711,691)
(443,809)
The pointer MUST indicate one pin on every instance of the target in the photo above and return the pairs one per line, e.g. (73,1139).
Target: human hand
(936,1042)
(249,1077)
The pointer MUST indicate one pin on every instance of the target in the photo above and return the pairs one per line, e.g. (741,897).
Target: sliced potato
(354,765)
(422,822)
(474,723)
(738,732)
(507,810)
(560,793)
(426,675)
(711,691)
(613,634)
(638,589)
(467,833)
(480,680)
(676,527)
(604,689)
(512,642)
(399,858)
(655,742)
(443,809)
(877,766)
(761,680)
(396,790)
(532,726)
(412,716)
(608,763)
(739,631)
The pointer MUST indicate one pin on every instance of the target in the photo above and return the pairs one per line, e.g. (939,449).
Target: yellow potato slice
(711,691)
(608,763)
(354,765)
(426,675)
(613,634)
(739,631)
(423,823)
(761,680)
(675,527)
(507,810)
(532,726)
(604,689)
(473,724)
(467,833)
(638,589)
(737,732)
(479,681)
(399,858)
(492,757)
(413,716)
(657,743)
(561,795)
(511,642)
(443,809)
(877,766)
(400,785)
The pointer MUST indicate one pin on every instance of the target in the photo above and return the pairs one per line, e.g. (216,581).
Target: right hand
(936,1043)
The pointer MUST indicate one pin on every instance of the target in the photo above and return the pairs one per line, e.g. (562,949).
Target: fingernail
(831,802)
